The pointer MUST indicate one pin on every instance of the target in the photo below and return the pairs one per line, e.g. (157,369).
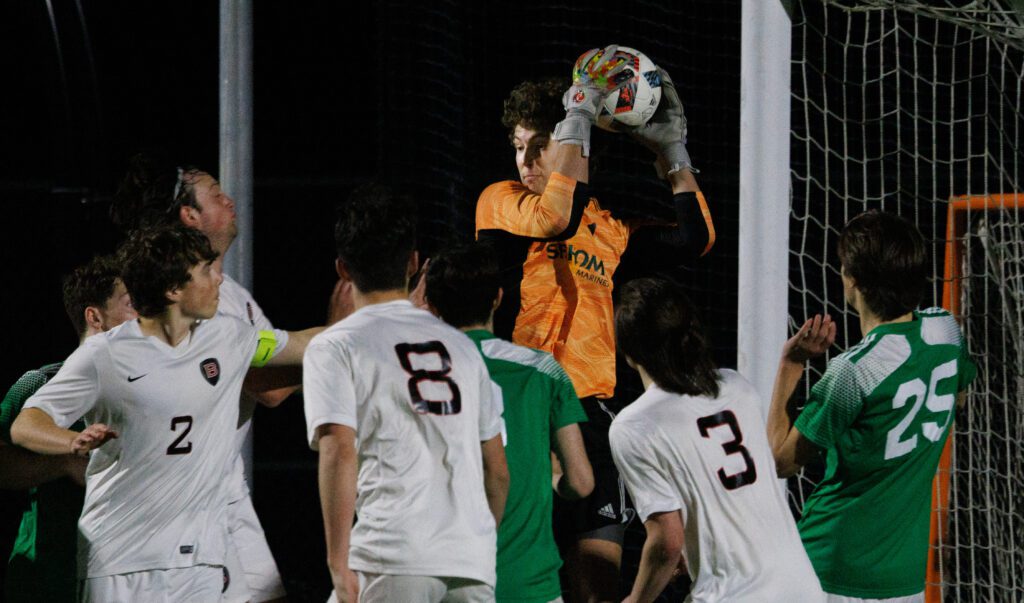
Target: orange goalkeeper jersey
(557,275)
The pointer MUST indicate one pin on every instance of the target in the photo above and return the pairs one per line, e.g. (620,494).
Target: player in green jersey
(881,413)
(541,415)
(42,563)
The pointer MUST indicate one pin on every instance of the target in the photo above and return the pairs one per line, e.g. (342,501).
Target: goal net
(915,108)
(978,529)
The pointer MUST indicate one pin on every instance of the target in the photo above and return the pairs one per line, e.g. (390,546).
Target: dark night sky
(377,90)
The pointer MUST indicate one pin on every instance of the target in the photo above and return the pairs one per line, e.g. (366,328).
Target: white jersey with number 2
(154,496)
(419,397)
(709,458)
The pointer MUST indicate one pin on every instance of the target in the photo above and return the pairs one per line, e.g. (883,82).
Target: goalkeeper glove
(598,72)
(665,132)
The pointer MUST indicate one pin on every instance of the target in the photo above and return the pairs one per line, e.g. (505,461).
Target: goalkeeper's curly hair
(535,105)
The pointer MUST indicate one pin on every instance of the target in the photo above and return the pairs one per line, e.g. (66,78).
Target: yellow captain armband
(264,349)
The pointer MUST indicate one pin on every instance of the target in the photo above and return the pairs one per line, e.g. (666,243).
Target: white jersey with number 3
(709,458)
(154,497)
(419,397)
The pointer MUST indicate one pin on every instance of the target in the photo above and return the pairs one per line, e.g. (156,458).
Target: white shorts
(386,588)
(258,571)
(831,598)
(197,584)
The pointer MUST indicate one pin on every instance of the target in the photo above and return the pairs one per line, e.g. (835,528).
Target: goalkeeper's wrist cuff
(574,129)
(672,160)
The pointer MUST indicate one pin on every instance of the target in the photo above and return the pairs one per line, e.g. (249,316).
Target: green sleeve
(22,390)
(833,405)
(566,408)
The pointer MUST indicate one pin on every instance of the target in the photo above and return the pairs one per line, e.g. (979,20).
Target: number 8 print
(453,405)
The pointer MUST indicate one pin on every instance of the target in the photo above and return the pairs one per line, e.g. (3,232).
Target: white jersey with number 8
(419,397)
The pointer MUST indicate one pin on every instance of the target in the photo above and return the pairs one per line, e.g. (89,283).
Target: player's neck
(170,327)
(480,326)
(869,321)
(645,377)
(218,264)
(361,300)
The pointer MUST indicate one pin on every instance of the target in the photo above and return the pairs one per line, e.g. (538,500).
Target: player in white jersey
(155,192)
(400,407)
(160,395)
(694,454)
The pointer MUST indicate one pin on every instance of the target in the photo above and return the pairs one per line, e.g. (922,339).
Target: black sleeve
(691,232)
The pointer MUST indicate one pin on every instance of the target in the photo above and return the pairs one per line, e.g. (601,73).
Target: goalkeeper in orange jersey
(559,250)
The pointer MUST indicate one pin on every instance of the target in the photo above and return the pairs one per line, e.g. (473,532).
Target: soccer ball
(633,104)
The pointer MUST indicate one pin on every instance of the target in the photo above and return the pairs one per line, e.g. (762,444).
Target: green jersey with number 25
(882,411)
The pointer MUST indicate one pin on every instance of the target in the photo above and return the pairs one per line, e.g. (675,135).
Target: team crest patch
(211,370)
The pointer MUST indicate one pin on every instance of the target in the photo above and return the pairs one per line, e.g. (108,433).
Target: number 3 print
(734,446)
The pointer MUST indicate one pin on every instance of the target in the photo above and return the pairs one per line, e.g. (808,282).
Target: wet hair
(152,191)
(375,235)
(157,260)
(91,284)
(656,325)
(535,105)
(885,256)
(462,284)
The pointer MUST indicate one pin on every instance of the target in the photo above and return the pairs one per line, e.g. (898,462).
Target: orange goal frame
(956,222)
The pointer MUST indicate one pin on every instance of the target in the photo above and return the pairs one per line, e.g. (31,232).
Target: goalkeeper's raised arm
(665,135)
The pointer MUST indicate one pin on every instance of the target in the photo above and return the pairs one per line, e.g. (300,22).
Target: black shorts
(606,512)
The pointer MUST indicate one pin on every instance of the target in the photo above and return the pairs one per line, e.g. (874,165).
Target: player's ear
(845,275)
(631,363)
(189,216)
(342,270)
(497,299)
(414,264)
(93,318)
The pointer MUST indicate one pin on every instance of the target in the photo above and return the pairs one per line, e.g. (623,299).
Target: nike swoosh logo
(130,379)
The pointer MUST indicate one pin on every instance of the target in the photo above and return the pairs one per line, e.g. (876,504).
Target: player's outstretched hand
(91,438)
(346,587)
(815,337)
(665,132)
(598,73)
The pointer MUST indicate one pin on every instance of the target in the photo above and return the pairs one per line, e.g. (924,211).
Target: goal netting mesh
(903,106)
